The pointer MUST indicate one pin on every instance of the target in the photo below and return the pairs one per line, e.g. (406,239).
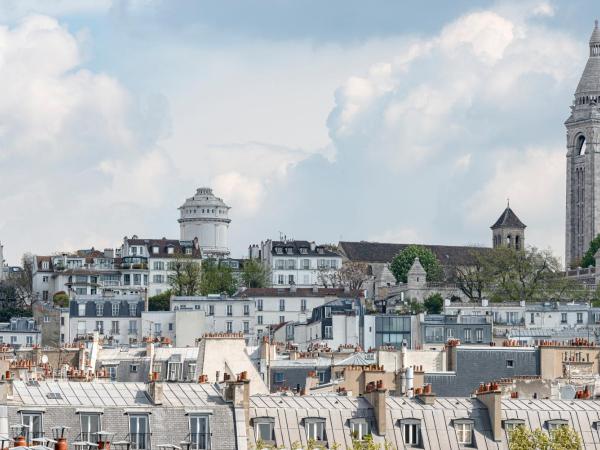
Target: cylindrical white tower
(206,217)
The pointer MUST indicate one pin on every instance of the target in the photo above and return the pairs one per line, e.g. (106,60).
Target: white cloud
(399,235)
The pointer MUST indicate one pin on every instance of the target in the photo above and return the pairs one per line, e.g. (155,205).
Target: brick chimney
(491,396)
(426,395)
(375,395)
(155,392)
(312,380)
(238,393)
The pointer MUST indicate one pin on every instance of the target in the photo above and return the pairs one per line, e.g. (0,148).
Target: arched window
(517,242)
(580,144)
(508,240)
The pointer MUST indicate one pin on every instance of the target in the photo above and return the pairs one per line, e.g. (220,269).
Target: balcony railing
(139,441)
(198,441)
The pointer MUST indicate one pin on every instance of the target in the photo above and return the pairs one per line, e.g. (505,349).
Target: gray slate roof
(379,252)
(508,219)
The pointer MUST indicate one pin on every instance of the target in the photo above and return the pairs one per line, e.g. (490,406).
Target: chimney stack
(238,392)
(375,395)
(491,396)
(155,392)
(426,395)
(312,380)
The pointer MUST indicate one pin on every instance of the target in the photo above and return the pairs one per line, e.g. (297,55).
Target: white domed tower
(206,217)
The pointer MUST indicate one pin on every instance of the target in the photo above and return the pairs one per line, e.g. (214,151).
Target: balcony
(134,262)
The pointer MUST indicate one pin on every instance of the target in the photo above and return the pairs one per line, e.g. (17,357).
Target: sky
(341,120)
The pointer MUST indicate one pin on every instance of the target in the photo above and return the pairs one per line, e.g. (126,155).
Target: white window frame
(315,429)
(85,424)
(464,432)
(411,432)
(199,440)
(359,428)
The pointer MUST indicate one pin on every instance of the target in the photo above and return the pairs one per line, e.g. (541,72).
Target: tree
(411,307)
(562,438)
(434,303)
(255,274)
(60,299)
(160,302)
(217,279)
(354,274)
(185,276)
(404,260)
(588,257)
(473,279)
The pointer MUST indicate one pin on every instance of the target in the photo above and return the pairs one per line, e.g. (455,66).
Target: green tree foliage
(434,303)
(7,313)
(217,279)
(563,438)
(184,278)
(60,299)
(588,258)
(411,307)
(160,302)
(255,274)
(403,261)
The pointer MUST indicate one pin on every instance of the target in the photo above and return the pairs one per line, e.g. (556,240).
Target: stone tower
(583,166)
(206,217)
(508,230)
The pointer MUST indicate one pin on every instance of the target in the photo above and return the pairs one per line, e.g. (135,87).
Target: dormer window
(188,251)
(359,427)
(170,250)
(279,250)
(320,250)
(411,432)
(464,431)
(304,250)
(315,429)
(45,265)
(155,249)
(511,424)
(555,424)
(264,429)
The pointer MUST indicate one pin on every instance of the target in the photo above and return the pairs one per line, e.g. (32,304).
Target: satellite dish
(44,359)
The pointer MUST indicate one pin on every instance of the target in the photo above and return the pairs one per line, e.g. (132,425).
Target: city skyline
(302,129)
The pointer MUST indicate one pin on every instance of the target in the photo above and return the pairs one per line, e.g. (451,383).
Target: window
(532,318)
(170,250)
(467,334)
(259,320)
(45,296)
(158,279)
(280,279)
(199,432)
(246,310)
(259,304)
(328,332)
(62,321)
(211,310)
(464,431)
(157,329)
(112,373)
(315,429)
(246,327)
(230,310)
(279,377)
(327,312)
(359,428)
(303,305)
(510,363)
(99,326)
(137,279)
(263,429)
(170,326)
(434,334)
(127,279)
(191,371)
(282,304)
(290,279)
(132,327)
(281,319)
(81,309)
(99,309)
(34,428)
(449,333)
(81,290)
(133,368)
(159,265)
(229,327)
(132,309)
(306,264)
(174,371)
(579,317)
(90,424)
(479,334)
(115,309)
(511,424)
(555,424)
(13,340)
(563,317)
(45,265)
(411,429)
(139,434)
(46,319)
(155,251)
(334,264)
(114,328)
(29,341)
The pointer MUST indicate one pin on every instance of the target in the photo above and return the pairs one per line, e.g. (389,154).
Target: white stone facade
(206,217)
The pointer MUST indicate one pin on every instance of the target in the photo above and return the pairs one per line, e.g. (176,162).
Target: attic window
(320,250)
(359,427)
(45,265)
(264,429)
(304,250)
(511,424)
(155,250)
(188,251)
(170,250)
(54,396)
(554,424)
(315,429)
(411,431)
(279,250)
(464,430)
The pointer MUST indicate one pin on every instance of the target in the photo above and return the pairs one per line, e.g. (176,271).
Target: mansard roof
(508,219)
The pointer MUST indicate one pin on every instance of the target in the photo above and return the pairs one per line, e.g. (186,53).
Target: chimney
(491,396)
(312,380)
(426,395)
(155,392)
(238,392)
(6,388)
(376,397)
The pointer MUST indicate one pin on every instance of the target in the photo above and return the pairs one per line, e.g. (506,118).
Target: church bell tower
(583,159)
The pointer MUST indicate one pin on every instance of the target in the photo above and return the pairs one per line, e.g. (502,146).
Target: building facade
(583,166)
(205,217)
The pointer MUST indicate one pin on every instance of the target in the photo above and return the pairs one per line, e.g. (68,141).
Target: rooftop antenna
(508,202)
